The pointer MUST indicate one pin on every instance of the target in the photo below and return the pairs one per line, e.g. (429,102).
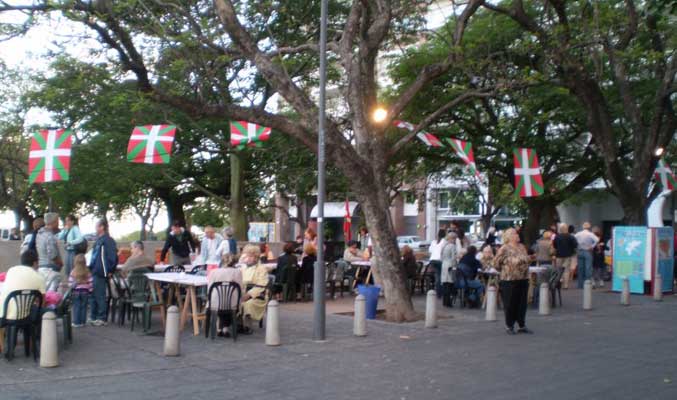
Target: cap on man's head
(51,218)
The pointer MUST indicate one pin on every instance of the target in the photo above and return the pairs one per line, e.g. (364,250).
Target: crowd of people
(455,262)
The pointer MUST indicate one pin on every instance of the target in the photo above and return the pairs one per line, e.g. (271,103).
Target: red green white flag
(463,149)
(243,133)
(429,139)
(151,144)
(50,156)
(528,179)
(665,176)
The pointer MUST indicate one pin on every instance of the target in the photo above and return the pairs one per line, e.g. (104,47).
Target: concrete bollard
(658,288)
(49,349)
(625,293)
(360,318)
(587,295)
(273,324)
(491,304)
(544,299)
(431,310)
(172,333)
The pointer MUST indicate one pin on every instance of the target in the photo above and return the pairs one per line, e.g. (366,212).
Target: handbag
(81,248)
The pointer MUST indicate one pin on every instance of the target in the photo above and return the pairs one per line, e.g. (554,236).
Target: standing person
(365,242)
(210,245)
(72,239)
(449,258)
(410,267)
(586,243)
(435,250)
(182,245)
(598,264)
(14,234)
(544,250)
(49,257)
(228,245)
(81,282)
(512,262)
(102,265)
(491,237)
(462,243)
(29,240)
(565,252)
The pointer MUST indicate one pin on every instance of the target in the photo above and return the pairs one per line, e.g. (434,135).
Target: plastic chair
(555,285)
(224,292)
(28,306)
(142,297)
(289,283)
(196,269)
(174,268)
(63,312)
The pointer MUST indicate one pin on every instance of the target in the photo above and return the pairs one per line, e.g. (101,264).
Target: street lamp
(379,115)
(319,279)
(659,151)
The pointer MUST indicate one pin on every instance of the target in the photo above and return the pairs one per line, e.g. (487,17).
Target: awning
(335,209)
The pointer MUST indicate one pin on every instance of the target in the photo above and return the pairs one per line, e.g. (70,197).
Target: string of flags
(50,153)
(665,176)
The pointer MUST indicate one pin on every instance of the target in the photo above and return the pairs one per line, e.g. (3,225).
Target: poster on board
(664,253)
(629,257)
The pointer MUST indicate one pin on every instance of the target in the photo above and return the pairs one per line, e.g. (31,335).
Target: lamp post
(318,276)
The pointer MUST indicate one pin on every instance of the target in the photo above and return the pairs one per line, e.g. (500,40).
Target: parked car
(414,242)
(90,237)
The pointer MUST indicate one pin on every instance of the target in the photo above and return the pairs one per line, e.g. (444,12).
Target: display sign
(664,256)
(629,257)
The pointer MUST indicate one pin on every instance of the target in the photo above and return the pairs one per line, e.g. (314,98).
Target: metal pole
(319,280)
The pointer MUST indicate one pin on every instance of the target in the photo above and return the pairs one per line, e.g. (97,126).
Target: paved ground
(612,352)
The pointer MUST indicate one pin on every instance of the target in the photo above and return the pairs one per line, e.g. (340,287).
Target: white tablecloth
(178,278)
(365,263)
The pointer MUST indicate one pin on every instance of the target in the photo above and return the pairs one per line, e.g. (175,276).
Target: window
(443,200)
(410,197)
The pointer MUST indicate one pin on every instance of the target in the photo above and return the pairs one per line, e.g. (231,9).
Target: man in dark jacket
(182,244)
(102,265)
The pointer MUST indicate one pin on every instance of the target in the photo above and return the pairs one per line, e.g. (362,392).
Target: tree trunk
(174,210)
(542,213)
(238,216)
(142,233)
(376,207)
(634,208)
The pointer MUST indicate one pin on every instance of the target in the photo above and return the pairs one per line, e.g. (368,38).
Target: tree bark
(386,260)
(238,216)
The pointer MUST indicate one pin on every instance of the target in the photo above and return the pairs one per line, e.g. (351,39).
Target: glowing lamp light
(380,115)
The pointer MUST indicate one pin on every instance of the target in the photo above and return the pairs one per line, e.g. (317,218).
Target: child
(80,281)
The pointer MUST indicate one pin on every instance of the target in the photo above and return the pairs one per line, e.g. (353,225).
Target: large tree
(617,58)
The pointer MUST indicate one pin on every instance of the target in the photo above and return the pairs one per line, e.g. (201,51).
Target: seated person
(255,281)
(308,265)
(352,253)
(267,255)
(137,260)
(469,267)
(21,277)
(227,273)
(286,261)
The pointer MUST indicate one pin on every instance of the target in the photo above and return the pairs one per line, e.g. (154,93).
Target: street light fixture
(659,151)
(380,115)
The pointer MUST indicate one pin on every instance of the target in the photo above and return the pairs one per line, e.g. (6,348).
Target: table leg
(357,276)
(193,305)
(163,306)
(366,281)
(184,313)
(2,340)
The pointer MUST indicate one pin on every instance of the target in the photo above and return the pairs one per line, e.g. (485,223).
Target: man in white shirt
(586,243)
(21,277)
(210,245)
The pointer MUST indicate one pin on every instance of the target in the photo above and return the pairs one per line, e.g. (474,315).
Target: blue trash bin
(370,293)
